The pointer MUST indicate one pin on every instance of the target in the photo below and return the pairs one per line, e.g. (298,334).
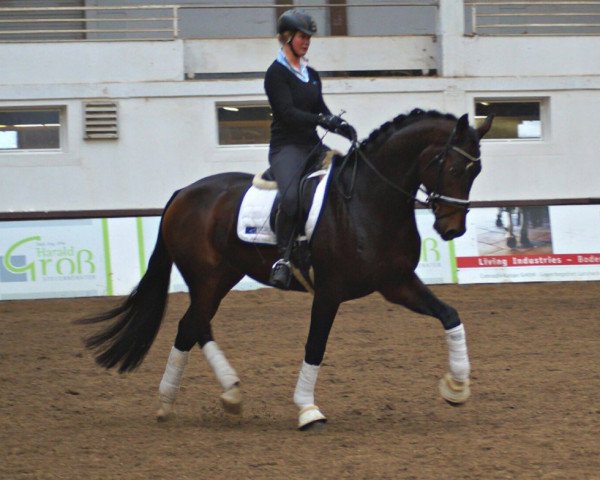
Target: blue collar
(302,74)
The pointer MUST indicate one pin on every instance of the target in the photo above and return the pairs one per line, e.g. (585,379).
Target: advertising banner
(525,244)
(58,258)
(74,258)
(436,263)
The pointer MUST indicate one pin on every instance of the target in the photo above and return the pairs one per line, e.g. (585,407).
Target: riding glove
(347,131)
(337,125)
(329,122)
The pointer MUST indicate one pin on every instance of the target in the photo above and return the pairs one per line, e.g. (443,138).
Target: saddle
(266,181)
(256,219)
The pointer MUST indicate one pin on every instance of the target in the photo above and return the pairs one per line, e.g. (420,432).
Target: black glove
(337,125)
(347,131)
(330,122)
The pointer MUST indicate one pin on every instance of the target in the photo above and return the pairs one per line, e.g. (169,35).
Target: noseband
(432,196)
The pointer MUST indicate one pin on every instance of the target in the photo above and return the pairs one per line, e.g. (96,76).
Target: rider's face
(301,42)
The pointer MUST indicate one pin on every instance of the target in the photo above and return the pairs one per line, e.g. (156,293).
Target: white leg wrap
(457,352)
(304,395)
(224,372)
(171,380)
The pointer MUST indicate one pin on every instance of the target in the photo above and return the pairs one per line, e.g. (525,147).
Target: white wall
(329,53)
(531,56)
(167,124)
(90,63)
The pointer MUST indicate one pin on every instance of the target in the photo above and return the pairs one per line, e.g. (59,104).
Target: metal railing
(511,18)
(140,22)
(149,22)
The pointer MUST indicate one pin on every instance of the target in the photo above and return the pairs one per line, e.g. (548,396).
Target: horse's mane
(379,135)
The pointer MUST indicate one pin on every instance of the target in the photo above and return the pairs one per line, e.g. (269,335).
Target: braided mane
(382,133)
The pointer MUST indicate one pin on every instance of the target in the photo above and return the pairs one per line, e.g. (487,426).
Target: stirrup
(281,274)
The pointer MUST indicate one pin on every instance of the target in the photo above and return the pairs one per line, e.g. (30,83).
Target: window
(513,119)
(243,124)
(28,129)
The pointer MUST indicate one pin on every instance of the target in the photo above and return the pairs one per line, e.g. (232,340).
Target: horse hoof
(311,418)
(231,400)
(316,426)
(164,412)
(455,393)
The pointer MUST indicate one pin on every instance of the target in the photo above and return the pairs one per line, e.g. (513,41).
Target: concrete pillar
(450,36)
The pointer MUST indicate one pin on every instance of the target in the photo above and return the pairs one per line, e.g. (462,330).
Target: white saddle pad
(253,220)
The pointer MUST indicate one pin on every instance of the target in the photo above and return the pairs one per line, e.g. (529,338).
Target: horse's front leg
(413,294)
(324,309)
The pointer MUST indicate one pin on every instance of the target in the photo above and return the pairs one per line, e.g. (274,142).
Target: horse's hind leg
(194,328)
(171,380)
(413,294)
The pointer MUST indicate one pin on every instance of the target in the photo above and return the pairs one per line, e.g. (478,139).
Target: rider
(294,92)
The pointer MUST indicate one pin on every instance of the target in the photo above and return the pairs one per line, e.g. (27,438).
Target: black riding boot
(281,272)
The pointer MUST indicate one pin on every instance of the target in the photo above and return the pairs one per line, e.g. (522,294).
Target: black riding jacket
(295,104)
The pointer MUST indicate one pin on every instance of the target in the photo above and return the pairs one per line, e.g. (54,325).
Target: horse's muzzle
(451,234)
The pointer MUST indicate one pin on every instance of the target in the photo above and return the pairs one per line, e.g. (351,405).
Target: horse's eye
(455,171)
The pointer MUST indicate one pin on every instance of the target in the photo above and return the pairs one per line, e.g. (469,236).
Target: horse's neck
(393,171)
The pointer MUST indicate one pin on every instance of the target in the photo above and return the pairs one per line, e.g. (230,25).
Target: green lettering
(9,253)
(85,256)
(45,262)
(69,262)
(430,246)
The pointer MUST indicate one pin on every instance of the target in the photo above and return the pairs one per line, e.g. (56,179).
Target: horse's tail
(128,339)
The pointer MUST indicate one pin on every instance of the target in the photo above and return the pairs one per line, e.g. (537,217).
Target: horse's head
(448,171)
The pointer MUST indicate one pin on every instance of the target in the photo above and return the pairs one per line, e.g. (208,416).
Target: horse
(366,241)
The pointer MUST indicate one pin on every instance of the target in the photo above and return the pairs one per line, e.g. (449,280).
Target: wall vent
(101,120)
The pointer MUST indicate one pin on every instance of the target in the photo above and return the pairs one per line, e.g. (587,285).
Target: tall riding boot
(281,272)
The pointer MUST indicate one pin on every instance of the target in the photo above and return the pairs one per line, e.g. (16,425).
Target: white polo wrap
(304,395)
(171,380)
(224,372)
(457,353)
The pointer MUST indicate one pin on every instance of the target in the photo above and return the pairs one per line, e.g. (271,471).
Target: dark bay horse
(366,241)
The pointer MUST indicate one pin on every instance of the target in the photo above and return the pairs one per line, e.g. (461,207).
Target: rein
(432,196)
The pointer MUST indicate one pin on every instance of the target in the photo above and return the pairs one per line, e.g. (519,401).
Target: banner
(58,258)
(526,244)
(437,259)
(74,258)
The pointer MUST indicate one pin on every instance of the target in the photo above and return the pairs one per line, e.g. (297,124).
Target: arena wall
(167,92)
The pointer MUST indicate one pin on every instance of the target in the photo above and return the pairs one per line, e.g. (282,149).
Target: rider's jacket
(295,103)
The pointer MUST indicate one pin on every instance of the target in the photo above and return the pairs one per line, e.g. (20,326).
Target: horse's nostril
(450,234)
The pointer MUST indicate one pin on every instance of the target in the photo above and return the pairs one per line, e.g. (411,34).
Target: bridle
(433,197)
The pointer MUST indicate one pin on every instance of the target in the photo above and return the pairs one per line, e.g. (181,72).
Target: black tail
(128,339)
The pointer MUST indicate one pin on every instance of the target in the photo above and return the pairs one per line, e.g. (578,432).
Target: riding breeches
(288,163)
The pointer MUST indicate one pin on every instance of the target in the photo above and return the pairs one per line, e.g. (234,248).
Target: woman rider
(294,92)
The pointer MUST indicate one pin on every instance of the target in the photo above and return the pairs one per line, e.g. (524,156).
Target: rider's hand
(347,131)
(337,125)
(330,122)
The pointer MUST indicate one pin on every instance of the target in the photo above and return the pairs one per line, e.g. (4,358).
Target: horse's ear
(485,126)
(462,126)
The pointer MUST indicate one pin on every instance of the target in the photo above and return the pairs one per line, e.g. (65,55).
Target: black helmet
(296,20)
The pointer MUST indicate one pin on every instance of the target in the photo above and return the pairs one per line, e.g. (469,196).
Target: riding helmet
(296,20)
